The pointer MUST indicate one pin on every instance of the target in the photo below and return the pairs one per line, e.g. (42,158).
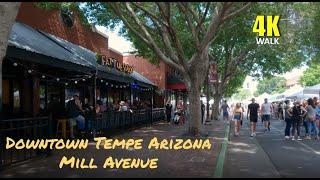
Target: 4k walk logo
(268,34)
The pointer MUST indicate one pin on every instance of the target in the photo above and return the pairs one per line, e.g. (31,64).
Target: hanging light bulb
(43,76)
(106,83)
(58,79)
(15,64)
(76,82)
(29,71)
(83,80)
(116,86)
(66,84)
(111,85)
(101,80)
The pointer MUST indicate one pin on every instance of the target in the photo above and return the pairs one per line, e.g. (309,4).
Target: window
(67,17)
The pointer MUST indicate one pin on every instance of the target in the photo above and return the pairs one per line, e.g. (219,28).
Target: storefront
(42,72)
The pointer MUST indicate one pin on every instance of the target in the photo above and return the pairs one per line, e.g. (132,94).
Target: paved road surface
(270,155)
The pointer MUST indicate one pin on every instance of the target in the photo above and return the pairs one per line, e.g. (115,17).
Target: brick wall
(156,74)
(51,22)
(116,55)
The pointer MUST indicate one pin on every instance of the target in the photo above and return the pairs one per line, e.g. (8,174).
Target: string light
(101,80)
(15,64)
(76,82)
(43,76)
(58,79)
(66,84)
(29,71)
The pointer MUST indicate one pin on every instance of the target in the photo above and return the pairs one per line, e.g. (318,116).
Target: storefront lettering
(113,63)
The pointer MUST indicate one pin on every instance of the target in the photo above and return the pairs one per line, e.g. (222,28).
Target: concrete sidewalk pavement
(246,158)
(171,163)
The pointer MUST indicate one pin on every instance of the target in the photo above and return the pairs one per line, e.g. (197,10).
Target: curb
(219,166)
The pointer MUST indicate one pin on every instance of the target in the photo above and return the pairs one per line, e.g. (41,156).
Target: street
(270,155)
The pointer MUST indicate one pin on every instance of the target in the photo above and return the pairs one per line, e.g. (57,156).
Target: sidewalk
(246,158)
(181,163)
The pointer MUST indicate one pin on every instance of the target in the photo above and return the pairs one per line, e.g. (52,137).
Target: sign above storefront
(114,63)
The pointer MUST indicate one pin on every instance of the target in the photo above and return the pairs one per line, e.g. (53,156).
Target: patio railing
(24,128)
(111,120)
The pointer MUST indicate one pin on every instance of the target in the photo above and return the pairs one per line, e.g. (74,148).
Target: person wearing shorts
(237,117)
(224,109)
(252,112)
(266,110)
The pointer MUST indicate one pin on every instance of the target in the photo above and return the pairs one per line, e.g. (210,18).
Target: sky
(115,41)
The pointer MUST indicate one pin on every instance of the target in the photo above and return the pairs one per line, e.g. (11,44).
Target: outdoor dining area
(42,73)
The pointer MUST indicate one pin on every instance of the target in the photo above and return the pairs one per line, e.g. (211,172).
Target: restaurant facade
(52,56)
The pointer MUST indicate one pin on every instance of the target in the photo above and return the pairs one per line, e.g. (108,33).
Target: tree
(8,14)
(177,33)
(272,85)
(238,55)
(241,94)
(311,76)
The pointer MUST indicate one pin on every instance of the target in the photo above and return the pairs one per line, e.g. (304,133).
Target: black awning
(36,46)
(141,80)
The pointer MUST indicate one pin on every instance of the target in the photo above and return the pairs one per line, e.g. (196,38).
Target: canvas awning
(40,47)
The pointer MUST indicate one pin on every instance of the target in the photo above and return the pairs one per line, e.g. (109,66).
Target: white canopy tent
(312,90)
(300,95)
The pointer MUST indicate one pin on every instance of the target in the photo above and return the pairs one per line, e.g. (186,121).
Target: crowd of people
(295,114)
(76,112)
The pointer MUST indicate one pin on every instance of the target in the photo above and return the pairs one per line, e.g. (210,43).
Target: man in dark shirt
(253,109)
(74,109)
(168,111)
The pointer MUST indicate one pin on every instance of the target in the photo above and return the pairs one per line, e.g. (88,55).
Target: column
(36,95)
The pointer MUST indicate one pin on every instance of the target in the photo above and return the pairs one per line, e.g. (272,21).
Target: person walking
(287,119)
(266,110)
(311,119)
(168,111)
(297,112)
(203,107)
(241,121)
(237,117)
(224,109)
(253,109)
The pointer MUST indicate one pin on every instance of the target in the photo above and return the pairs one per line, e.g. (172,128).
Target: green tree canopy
(271,85)
(311,76)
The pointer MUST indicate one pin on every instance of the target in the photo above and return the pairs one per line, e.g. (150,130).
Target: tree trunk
(216,110)
(208,98)
(194,109)
(8,14)
(194,80)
